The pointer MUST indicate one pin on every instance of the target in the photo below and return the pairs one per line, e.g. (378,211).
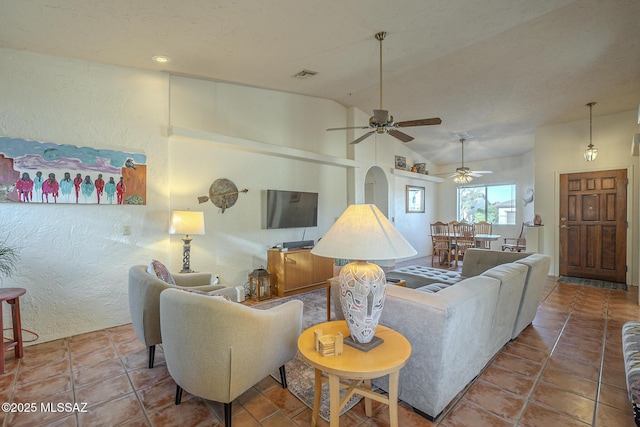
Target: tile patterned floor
(566,369)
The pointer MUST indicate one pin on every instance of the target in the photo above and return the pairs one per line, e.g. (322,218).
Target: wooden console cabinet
(297,271)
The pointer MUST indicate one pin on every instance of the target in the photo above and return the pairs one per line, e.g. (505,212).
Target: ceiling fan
(382,122)
(464,175)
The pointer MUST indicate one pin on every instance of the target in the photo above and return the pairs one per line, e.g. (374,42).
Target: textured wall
(75,258)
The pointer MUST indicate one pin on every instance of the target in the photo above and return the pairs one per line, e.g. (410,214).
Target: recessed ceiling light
(161,59)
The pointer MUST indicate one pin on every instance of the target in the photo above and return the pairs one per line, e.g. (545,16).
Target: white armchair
(144,301)
(217,350)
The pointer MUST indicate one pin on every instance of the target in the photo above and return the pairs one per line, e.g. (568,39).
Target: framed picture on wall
(401,163)
(415,199)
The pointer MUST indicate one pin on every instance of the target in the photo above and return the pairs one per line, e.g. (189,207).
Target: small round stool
(12,296)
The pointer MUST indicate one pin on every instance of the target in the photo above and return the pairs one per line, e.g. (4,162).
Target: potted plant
(8,259)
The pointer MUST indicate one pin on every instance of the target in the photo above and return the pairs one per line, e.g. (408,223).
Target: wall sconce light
(591,152)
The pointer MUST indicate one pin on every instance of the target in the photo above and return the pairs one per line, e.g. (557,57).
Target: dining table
(479,238)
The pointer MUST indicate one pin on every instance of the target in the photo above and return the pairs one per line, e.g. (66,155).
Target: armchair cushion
(161,272)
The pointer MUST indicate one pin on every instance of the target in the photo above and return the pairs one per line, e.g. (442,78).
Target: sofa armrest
(229,292)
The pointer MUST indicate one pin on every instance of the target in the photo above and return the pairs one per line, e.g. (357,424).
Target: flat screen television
(290,209)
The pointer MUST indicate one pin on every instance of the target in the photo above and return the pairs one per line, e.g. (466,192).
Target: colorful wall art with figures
(44,172)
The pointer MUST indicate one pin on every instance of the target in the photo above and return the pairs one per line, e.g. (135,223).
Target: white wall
(75,259)
(559,149)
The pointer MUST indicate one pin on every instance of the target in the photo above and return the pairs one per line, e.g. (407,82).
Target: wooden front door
(593,225)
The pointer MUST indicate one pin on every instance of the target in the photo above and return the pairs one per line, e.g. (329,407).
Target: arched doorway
(376,189)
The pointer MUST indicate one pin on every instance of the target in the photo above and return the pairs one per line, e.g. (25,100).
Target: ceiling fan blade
(483,172)
(381,116)
(350,127)
(400,135)
(421,122)
(363,137)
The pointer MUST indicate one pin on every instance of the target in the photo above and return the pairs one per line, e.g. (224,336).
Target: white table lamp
(186,222)
(362,233)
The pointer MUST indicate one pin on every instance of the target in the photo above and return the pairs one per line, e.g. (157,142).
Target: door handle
(564,226)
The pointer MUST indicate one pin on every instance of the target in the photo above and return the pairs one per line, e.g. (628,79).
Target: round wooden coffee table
(360,367)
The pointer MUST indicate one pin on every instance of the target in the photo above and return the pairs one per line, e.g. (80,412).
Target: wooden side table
(11,296)
(386,359)
(398,283)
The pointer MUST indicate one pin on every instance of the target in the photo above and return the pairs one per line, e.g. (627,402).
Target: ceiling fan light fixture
(463,174)
(382,122)
(462,179)
(591,152)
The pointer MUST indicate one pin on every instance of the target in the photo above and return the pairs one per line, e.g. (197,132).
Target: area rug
(603,284)
(301,376)
(315,306)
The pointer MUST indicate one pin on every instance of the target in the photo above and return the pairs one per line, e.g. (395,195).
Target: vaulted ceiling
(494,68)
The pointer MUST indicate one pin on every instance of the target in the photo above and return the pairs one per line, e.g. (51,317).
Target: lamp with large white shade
(362,233)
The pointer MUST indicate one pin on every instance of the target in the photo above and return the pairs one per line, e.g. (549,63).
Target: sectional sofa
(456,328)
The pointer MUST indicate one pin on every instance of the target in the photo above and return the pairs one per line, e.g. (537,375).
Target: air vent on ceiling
(305,74)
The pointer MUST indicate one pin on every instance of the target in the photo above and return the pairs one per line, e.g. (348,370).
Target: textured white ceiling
(494,68)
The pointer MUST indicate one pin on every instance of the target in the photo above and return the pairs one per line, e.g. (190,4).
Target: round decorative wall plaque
(223,193)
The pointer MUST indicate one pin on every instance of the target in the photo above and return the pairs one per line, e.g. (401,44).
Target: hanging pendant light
(591,152)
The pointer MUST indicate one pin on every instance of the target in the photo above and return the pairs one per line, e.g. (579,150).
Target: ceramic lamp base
(362,291)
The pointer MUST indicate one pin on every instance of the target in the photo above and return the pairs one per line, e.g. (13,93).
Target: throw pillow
(161,272)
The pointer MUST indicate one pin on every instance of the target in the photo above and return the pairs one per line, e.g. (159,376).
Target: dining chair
(441,239)
(452,226)
(483,227)
(464,238)
(516,244)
